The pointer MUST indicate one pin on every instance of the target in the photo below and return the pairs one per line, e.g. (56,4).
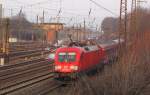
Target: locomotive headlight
(57,67)
(74,68)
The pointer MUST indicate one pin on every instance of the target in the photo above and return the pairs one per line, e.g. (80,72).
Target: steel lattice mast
(133,19)
(123,21)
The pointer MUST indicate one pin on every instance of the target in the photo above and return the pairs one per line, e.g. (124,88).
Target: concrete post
(1,61)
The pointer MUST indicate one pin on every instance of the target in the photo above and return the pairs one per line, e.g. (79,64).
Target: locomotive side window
(68,57)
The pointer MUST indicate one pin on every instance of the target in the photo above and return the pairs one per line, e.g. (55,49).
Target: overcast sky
(72,11)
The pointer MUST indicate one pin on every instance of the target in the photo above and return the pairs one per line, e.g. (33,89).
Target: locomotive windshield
(67,57)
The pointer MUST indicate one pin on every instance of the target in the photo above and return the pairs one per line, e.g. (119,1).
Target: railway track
(25,46)
(29,54)
(20,69)
(10,66)
(49,89)
(26,51)
(22,76)
(25,55)
(43,87)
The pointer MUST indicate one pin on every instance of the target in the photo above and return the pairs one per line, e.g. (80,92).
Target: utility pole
(84,33)
(139,2)
(43,16)
(37,19)
(123,22)
(58,18)
(77,32)
(43,35)
(5,58)
(21,26)
(1,10)
(43,24)
(80,32)
(11,12)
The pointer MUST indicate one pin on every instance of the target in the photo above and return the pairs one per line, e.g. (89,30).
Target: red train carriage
(111,50)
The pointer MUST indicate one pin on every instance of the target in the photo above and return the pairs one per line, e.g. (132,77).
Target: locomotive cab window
(67,57)
(71,57)
(62,57)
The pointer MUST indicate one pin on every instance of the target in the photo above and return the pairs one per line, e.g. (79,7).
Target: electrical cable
(103,7)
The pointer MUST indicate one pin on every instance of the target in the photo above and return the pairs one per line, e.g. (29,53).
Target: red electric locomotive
(75,59)
(79,58)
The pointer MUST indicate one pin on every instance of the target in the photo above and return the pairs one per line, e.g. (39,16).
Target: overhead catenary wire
(90,11)
(99,5)
(34,4)
(51,9)
(59,11)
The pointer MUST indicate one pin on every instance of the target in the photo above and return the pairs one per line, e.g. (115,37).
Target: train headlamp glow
(57,67)
(74,68)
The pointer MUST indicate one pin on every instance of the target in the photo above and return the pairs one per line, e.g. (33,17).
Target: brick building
(51,30)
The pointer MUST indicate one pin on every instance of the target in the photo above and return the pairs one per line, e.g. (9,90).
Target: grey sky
(73,11)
